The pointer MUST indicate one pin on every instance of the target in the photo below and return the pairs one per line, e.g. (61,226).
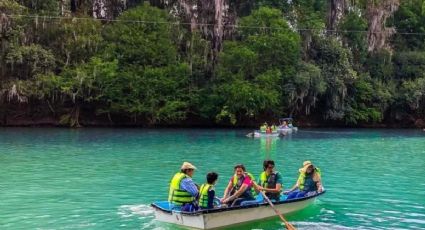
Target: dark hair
(211,177)
(240,166)
(266,163)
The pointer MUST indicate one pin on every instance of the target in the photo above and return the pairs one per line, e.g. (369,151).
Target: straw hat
(187,165)
(306,164)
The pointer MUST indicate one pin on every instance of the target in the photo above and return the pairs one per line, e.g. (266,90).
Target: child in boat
(207,192)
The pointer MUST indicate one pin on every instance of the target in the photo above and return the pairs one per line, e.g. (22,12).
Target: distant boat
(288,128)
(258,133)
(221,217)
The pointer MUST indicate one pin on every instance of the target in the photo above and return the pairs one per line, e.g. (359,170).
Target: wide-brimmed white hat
(306,164)
(187,165)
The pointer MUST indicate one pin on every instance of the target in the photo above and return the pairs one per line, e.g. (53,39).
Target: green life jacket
(263,128)
(270,182)
(175,194)
(237,183)
(302,178)
(203,195)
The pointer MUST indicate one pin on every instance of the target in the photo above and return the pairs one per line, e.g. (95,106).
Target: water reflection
(268,147)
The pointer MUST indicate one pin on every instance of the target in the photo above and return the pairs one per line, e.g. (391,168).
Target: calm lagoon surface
(106,178)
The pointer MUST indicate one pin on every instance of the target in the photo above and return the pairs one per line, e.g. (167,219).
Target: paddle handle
(287,224)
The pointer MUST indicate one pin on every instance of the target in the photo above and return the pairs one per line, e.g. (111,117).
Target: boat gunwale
(216,210)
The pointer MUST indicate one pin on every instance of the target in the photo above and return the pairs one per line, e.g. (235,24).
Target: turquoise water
(106,178)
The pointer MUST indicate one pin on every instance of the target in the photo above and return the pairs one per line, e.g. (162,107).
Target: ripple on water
(141,210)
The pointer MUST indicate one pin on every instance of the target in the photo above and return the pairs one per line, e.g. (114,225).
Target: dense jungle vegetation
(212,62)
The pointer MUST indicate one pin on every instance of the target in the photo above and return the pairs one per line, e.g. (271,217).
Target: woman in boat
(284,125)
(309,182)
(270,181)
(207,192)
(183,191)
(240,187)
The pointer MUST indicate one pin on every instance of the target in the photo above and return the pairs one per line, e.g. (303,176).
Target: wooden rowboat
(221,217)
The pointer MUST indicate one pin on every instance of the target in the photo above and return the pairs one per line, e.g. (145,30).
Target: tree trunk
(377,14)
(99,9)
(335,14)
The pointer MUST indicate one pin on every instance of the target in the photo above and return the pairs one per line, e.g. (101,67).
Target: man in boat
(309,182)
(270,181)
(240,187)
(207,192)
(183,191)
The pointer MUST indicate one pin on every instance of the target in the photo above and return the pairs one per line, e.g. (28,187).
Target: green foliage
(27,61)
(74,41)
(141,44)
(334,62)
(380,65)
(250,72)
(44,7)
(413,94)
(410,19)
(305,88)
(152,83)
(369,102)
(355,40)
(409,65)
(160,73)
(10,7)
(310,13)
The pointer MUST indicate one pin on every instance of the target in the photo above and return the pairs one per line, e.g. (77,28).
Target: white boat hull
(229,217)
(257,134)
(287,130)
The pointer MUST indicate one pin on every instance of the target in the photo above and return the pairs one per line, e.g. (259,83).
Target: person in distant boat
(290,125)
(183,191)
(284,125)
(309,182)
(263,128)
(207,192)
(240,187)
(269,130)
(270,181)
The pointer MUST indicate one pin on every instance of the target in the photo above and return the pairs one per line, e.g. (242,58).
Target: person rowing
(270,181)
(239,188)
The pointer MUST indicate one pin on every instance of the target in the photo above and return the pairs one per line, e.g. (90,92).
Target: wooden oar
(287,224)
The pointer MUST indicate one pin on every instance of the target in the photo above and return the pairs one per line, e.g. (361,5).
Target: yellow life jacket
(270,182)
(301,178)
(203,195)
(175,194)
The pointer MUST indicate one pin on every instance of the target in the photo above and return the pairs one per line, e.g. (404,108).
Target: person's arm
(319,186)
(211,195)
(276,189)
(238,193)
(188,185)
(297,185)
(227,190)
(257,187)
